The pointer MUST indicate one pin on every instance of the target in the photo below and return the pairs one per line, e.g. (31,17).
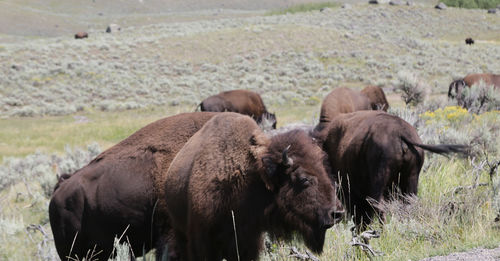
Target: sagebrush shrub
(481,97)
(413,89)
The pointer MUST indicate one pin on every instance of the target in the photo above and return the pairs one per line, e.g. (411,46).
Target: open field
(62,100)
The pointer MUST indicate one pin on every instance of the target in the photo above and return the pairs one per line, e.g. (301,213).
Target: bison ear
(269,172)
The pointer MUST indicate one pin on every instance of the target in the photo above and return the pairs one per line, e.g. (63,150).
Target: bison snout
(338,215)
(334,217)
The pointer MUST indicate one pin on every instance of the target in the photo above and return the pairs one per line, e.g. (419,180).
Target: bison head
(377,98)
(455,90)
(304,198)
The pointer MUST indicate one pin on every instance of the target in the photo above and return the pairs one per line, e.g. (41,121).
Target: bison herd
(208,185)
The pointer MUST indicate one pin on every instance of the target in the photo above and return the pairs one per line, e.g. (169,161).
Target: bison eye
(303,181)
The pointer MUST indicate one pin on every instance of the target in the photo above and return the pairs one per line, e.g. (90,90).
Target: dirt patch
(473,255)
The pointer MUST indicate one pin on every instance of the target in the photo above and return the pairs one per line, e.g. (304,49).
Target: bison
(345,100)
(240,101)
(81,35)
(372,152)
(456,87)
(117,193)
(230,167)
(469,41)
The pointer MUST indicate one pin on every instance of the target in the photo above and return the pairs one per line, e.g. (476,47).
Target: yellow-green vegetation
(23,136)
(451,115)
(483,4)
(305,8)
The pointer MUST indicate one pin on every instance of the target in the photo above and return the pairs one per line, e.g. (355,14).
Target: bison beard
(272,184)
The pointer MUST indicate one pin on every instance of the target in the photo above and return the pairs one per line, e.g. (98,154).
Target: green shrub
(471,4)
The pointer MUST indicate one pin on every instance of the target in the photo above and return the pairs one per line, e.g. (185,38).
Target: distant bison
(275,184)
(240,101)
(117,193)
(345,100)
(456,87)
(469,41)
(81,35)
(370,153)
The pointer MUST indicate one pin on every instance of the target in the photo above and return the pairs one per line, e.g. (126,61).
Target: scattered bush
(413,89)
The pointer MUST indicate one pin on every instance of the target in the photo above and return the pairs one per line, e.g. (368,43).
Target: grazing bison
(345,100)
(469,41)
(370,153)
(240,101)
(81,35)
(117,193)
(275,184)
(456,87)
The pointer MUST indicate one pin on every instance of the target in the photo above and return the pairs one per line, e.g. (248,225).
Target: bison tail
(442,149)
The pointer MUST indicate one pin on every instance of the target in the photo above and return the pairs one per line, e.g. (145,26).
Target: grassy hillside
(64,100)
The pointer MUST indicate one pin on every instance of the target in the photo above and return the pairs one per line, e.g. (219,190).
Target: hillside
(59,95)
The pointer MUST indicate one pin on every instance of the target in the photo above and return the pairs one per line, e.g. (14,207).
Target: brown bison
(275,184)
(81,35)
(117,193)
(240,101)
(456,87)
(469,41)
(345,100)
(370,153)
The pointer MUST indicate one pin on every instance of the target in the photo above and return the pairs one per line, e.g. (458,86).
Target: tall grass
(473,4)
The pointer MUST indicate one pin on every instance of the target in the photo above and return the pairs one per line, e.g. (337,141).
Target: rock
(441,6)
(395,2)
(492,11)
(346,6)
(324,9)
(373,2)
(113,28)
(409,3)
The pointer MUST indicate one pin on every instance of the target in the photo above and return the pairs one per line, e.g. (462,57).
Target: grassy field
(63,101)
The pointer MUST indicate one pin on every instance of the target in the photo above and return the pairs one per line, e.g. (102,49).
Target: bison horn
(287,161)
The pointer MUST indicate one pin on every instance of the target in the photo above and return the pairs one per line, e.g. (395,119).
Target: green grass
(473,4)
(23,136)
(304,8)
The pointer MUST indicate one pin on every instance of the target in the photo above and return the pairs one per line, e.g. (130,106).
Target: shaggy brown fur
(240,101)
(456,87)
(119,189)
(345,100)
(372,152)
(81,35)
(230,165)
